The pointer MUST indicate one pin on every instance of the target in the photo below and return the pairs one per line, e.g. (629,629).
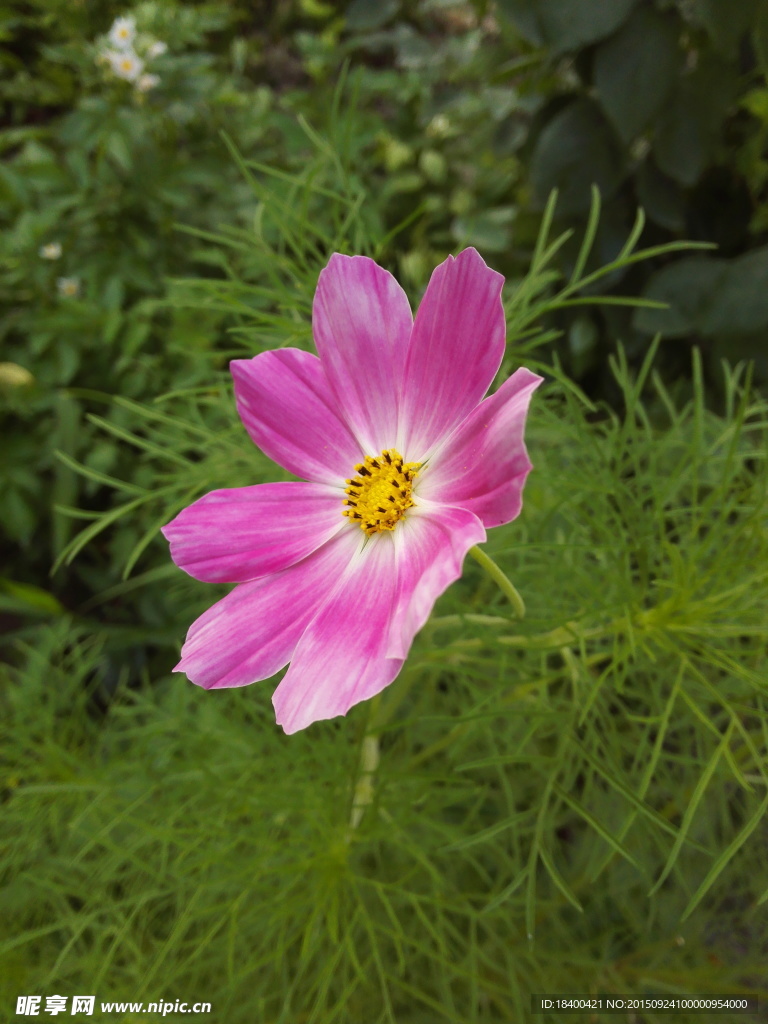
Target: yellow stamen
(381,492)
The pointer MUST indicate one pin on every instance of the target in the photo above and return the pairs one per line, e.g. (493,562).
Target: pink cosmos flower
(405,464)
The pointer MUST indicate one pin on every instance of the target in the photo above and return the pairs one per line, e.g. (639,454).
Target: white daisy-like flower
(69,287)
(125,64)
(51,251)
(123,32)
(147,82)
(157,49)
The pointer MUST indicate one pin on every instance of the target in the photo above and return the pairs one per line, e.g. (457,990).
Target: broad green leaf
(488,229)
(365,15)
(635,70)
(566,24)
(574,151)
(688,125)
(687,286)
(740,303)
(726,22)
(660,196)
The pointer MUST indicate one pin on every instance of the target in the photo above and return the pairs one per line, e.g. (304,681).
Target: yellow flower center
(381,492)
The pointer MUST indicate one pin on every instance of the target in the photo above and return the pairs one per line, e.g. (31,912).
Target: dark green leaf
(688,125)
(635,70)
(687,285)
(365,15)
(726,22)
(660,196)
(488,229)
(740,302)
(566,24)
(760,36)
(576,149)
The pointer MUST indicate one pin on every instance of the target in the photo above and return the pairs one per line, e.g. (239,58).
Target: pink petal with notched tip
(252,632)
(361,321)
(241,533)
(287,406)
(456,348)
(483,465)
(360,637)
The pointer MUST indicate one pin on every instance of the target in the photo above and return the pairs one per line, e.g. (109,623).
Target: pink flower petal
(252,632)
(456,348)
(357,643)
(432,542)
(284,400)
(241,533)
(483,465)
(362,322)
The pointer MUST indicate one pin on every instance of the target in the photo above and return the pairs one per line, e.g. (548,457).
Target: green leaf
(760,36)
(687,286)
(566,24)
(636,69)
(688,126)
(26,599)
(365,15)
(488,229)
(726,23)
(660,196)
(576,150)
(740,303)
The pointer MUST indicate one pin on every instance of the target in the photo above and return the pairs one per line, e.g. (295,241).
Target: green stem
(503,581)
(369,762)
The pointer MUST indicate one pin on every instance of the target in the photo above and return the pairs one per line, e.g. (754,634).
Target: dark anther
(363,471)
(392,497)
(388,457)
(380,509)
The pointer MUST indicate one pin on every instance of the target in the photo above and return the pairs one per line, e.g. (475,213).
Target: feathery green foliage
(574,802)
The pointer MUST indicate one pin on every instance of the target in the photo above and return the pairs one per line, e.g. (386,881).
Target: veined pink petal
(357,643)
(284,400)
(241,533)
(483,465)
(456,348)
(252,632)
(431,544)
(361,322)
(341,659)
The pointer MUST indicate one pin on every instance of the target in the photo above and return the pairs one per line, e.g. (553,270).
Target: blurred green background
(155,227)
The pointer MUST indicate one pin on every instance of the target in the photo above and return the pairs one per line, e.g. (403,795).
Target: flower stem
(501,579)
(369,762)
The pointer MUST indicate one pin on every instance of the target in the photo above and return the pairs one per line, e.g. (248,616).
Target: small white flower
(157,49)
(147,82)
(51,251)
(123,32)
(69,287)
(125,64)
